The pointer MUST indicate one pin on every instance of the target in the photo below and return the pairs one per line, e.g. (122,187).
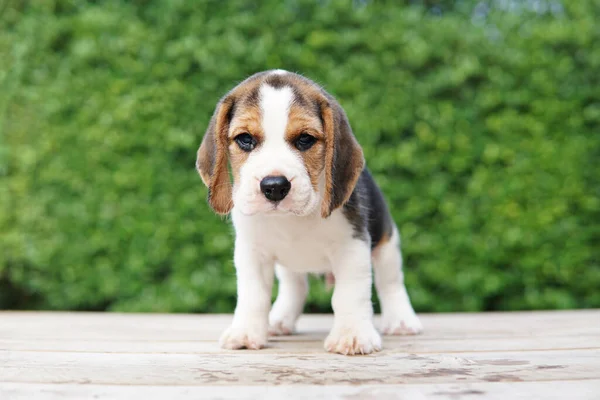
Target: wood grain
(104,355)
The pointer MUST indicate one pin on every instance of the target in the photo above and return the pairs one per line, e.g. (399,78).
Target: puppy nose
(275,188)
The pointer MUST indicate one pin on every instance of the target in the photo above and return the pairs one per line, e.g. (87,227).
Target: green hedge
(482,129)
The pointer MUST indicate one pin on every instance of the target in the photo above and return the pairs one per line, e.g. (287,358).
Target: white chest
(303,244)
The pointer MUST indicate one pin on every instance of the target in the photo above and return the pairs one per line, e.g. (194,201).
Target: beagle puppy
(301,202)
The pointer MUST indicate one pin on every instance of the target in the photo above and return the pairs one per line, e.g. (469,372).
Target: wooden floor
(546,355)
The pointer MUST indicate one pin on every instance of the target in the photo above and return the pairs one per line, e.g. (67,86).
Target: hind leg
(397,314)
(293,289)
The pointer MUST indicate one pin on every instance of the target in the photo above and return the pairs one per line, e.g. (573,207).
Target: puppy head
(289,146)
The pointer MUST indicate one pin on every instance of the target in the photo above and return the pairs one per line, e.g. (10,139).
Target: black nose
(275,188)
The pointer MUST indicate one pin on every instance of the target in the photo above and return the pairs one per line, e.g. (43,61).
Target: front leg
(353,331)
(254,273)
(293,288)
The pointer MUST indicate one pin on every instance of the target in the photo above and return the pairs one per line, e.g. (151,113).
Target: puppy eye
(245,141)
(305,142)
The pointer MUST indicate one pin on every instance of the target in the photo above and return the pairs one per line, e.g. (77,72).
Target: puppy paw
(401,323)
(280,328)
(353,339)
(251,338)
(281,322)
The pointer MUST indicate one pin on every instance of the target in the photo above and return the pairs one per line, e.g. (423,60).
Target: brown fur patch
(344,158)
(314,162)
(326,207)
(211,160)
(246,120)
(302,120)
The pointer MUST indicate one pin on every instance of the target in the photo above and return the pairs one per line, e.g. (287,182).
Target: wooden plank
(255,367)
(572,390)
(103,355)
(160,327)
(124,333)
(307,343)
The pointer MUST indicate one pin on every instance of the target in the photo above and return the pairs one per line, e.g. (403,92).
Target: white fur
(274,107)
(302,244)
(279,72)
(274,156)
(254,270)
(398,316)
(353,331)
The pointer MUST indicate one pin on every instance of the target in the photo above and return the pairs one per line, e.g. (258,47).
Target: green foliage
(484,133)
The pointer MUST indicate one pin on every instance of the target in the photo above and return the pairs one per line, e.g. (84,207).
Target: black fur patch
(298,98)
(317,109)
(277,81)
(253,97)
(367,211)
(231,111)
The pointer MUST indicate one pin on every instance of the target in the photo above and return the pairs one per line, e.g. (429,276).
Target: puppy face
(288,144)
(276,146)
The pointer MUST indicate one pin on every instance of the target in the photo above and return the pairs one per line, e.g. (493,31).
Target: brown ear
(211,161)
(344,160)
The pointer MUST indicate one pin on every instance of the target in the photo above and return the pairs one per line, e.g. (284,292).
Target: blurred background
(479,119)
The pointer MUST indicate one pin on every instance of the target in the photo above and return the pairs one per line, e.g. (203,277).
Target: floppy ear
(344,160)
(211,161)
